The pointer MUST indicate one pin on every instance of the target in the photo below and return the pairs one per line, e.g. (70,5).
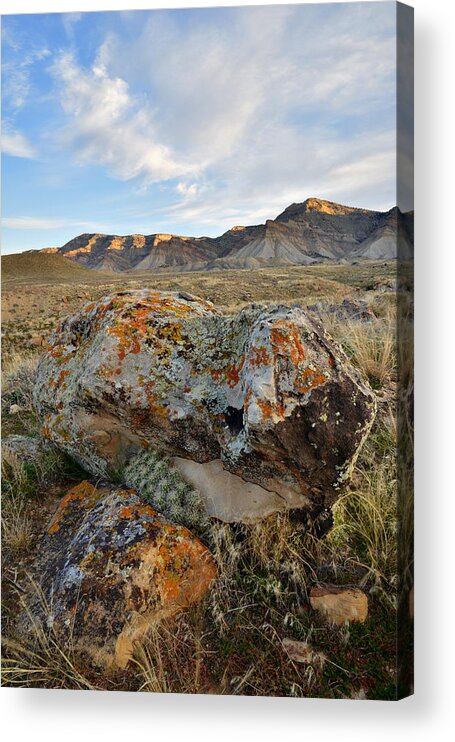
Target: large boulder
(264,396)
(109,566)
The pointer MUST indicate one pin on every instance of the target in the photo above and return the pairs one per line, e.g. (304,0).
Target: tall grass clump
(18,379)
(38,658)
(365,518)
(19,482)
(267,564)
(372,348)
(171,658)
(370,345)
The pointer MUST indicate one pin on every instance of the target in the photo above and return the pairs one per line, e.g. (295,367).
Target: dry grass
(18,379)
(365,519)
(370,345)
(270,561)
(172,657)
(39,659)
(17,485)
(365,525)
(17,530)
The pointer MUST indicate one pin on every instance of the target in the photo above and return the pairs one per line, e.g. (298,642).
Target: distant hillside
(40,267)
(314,231)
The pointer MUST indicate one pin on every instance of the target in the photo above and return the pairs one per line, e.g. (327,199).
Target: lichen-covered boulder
(264,395)
(109,566)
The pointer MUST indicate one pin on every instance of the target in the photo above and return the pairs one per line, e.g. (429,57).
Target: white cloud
(188,190)
(15,144)
(16,73)
(108,126)
(243,110)
(69,21)
(32,222)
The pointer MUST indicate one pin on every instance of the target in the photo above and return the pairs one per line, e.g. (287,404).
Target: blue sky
(192,121)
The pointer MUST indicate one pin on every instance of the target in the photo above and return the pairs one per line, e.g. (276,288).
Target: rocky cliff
(304,233)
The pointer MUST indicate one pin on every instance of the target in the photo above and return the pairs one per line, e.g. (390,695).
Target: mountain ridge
(314,230)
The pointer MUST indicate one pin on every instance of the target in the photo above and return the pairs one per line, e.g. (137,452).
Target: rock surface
(303,652)
(15,409)
(26,448)
(265,395)
(345,311)
(339,603)
(110,566)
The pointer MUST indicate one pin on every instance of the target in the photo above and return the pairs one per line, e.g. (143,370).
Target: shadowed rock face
(110,566)
(264,392)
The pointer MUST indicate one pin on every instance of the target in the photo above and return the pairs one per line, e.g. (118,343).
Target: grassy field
(35,296)
(233,643)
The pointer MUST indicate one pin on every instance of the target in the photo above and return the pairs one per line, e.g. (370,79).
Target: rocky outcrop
(109,566)
(264,395)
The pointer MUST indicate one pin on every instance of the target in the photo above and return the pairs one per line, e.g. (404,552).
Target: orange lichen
(153,403)
(127,513)
(62,375)
(79,492)
(285,340)
(259,356)
(270,409)
(309,379)
(247,400)
(233,371)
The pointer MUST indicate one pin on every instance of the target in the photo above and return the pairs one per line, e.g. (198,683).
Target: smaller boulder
(26,448)
(15,409)
(110,567)
(348,309)
(303,653)
(339,604)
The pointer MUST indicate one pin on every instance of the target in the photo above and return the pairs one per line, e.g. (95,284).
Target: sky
(192,121)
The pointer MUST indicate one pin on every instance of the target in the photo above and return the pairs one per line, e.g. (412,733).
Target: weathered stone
(345,311)
(227,496)
(28,449)
(264,394)
(15,409)
(339,603)
(304,653)
(110,566)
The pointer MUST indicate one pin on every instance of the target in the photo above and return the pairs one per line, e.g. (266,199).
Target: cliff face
(312,231)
